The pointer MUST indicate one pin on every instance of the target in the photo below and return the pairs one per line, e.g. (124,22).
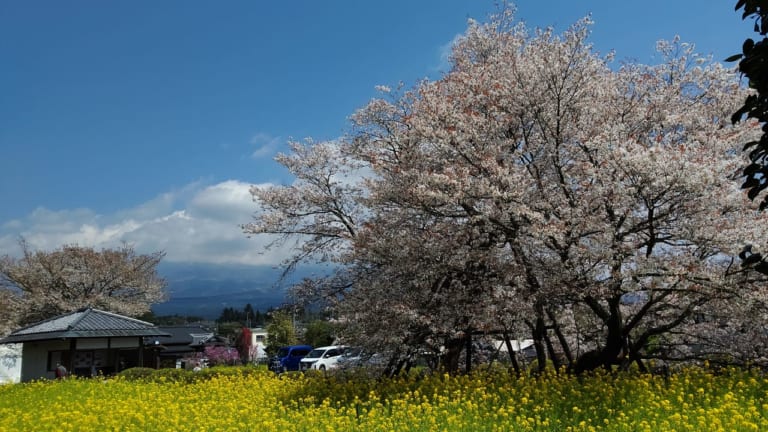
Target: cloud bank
(196,224)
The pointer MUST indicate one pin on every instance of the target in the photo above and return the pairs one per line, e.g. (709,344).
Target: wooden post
(72,351)
(141,352)
(469,350)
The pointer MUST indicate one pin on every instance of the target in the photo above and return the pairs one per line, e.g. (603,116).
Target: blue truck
(287,358)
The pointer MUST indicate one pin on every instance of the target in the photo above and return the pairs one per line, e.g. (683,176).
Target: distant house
(524,348)
(253,344)
(87,342)
(185,342)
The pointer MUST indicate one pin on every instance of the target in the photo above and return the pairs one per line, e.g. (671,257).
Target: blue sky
(146,121)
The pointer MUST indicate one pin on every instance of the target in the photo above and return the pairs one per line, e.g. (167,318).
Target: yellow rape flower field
(248,399)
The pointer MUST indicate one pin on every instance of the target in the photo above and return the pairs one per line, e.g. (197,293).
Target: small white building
(254,344)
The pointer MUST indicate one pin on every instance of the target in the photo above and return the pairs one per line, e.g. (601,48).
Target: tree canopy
(41,284)
(536,191)
(280,332)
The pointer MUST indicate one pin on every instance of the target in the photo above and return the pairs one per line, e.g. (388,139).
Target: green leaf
(748,45)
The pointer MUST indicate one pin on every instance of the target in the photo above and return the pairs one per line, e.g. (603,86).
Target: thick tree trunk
(615,342)
(452,355)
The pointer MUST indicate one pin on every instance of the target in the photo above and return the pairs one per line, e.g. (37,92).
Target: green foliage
(171,375)
(230,371)
(319,333)
(280,332)
(248,316)
(170,320)
(136,373)
(229,329)
(754,65)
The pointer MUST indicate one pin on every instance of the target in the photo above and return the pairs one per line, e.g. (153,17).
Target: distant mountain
(210,307)
(205,289)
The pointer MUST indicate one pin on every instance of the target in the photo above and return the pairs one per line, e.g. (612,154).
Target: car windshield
(353,352)
(317,353)
(282,352)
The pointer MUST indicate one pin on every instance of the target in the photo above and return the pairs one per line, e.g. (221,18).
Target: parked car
(352,357)
(287,358)
(357,357)
(322,358)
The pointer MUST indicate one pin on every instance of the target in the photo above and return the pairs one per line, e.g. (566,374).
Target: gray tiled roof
(186,334)
(84,323)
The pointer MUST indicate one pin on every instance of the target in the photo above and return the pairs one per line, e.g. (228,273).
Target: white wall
(10,363)
(258,345)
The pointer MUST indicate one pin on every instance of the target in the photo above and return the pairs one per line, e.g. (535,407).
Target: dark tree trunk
(512,354)
(453,348)
(551,352)
(539,334)
(468,348)
(615,342)
(560,338)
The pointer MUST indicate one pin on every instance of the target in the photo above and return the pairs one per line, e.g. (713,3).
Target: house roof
(184,339)
(84,323)
(190,334)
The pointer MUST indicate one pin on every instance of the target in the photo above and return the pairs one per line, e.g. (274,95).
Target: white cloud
(229,200)
(266,145)
(445,51)
(199,223)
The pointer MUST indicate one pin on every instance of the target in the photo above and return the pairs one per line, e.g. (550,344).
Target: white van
(322,358)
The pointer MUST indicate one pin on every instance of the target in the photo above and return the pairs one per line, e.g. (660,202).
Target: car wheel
(322,367)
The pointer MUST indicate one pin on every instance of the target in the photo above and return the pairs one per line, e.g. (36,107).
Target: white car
(322,358)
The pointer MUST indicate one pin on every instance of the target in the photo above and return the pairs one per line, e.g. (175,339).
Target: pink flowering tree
(220,355)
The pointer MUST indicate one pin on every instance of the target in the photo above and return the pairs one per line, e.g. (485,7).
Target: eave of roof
(81,334)
(84,323)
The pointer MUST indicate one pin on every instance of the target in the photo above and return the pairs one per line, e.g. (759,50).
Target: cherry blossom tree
(320,209)
(536,186)
(42,284)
